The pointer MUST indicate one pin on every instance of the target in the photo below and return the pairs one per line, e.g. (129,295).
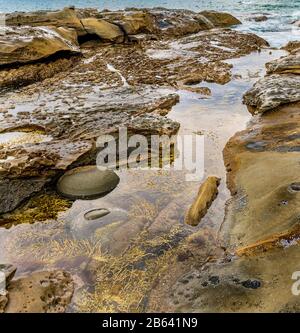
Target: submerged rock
(40,292)
(96,214)
(87,182)
(207,193)
(259,18)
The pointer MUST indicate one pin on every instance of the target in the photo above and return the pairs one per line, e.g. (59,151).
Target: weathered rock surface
(263,206)
(133,21)
(289,64)
(41,159)
(23,45)
(3,302)
(220,19)
(105,30)
(115,92)
(61,18)
(74,132)
(272,91)
(137,22)
(292,47)
(281,86)
(40,292)
(31,73)
(207,193)
(87,182)
(15,191)
(9,272)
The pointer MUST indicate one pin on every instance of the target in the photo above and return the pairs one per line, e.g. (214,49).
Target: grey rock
(14,191)
(273,91)
(96,214)
(87,182)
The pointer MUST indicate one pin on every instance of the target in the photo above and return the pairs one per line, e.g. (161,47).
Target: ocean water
(281,13)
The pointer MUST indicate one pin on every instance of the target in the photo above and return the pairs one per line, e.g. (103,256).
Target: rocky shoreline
(69,76)
(260,233)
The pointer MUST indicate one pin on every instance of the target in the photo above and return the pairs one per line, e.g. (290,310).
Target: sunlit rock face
(24,45)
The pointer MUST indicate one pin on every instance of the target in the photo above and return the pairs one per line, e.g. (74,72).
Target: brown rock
(103,29)
(220,19)
(40,292)
(207,193)
(66,18)
(264,212)
(3,303)
(23,45)
(289,64)
(292,47)
(133,22)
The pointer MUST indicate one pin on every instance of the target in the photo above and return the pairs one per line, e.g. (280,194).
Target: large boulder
(132,21)
(220,19)
(62,18)
(174,22)
(105,30)
(26,45)
(138,22)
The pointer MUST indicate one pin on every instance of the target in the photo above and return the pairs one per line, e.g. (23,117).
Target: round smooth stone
(87,182)
(96,214)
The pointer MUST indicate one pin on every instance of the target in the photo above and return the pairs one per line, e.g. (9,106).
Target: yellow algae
(144,208)
(50,251)
(123,282)
(39,208)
